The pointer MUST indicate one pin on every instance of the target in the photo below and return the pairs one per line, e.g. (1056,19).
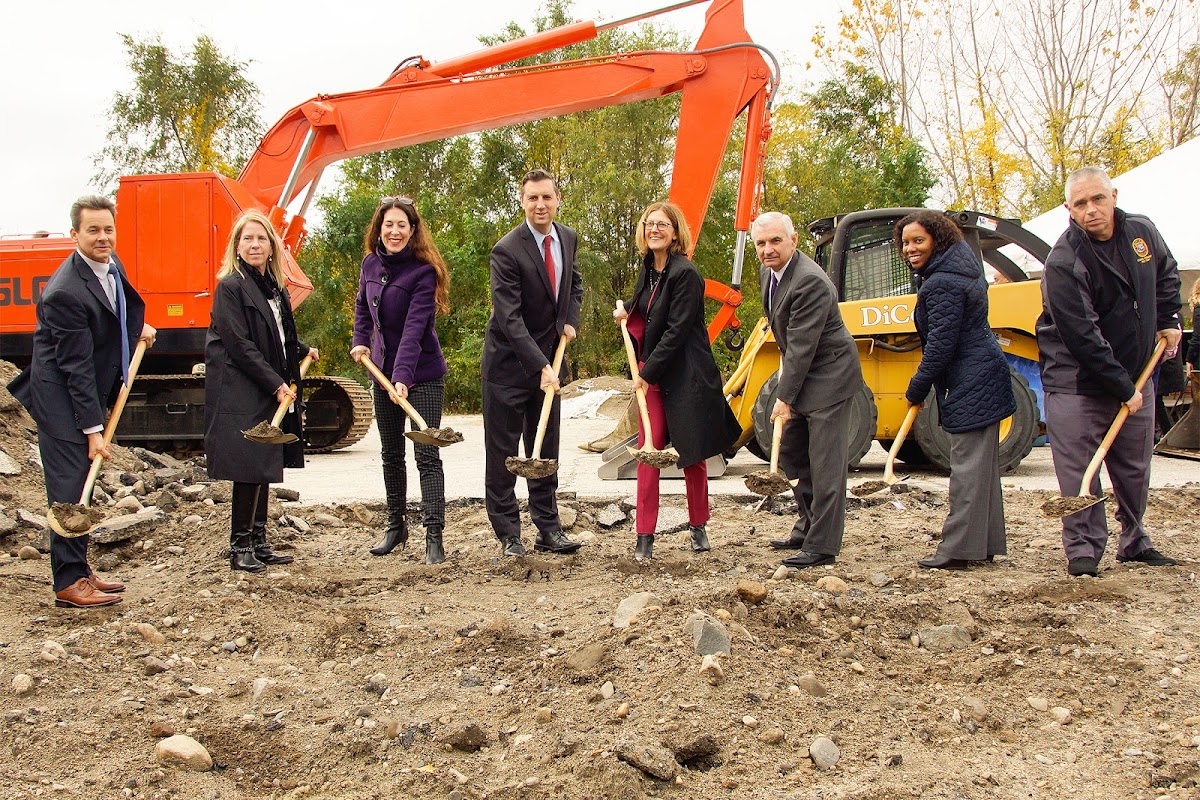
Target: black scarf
(265,281)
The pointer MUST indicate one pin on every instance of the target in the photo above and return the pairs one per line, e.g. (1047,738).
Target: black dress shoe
(513,547)
(644,551)
(555,542)
(787,544)
(699,539)
(1083,565)
(938,561)
(803,559)
(1150,557)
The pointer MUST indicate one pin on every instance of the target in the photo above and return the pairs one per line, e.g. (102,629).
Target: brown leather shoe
(82,594)
(101,585)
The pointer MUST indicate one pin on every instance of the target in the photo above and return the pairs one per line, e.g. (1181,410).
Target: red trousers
(695,477)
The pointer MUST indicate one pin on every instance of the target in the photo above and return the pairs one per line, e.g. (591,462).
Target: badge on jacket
(1141,250)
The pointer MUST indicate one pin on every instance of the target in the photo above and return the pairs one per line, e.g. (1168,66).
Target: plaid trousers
(427,399)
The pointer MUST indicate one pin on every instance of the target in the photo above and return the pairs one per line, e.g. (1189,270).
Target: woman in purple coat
(402,286)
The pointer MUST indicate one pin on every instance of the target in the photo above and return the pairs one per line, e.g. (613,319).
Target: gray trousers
(815,449)
(974,528)
(1077,424)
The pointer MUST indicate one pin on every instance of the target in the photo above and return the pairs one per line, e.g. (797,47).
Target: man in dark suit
(819,373)
(536,293)
(80,357)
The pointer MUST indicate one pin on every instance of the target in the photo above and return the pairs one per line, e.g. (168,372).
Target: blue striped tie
(120,292)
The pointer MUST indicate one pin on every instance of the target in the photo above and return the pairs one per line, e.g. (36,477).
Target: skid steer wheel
(1017,433)
(863,419)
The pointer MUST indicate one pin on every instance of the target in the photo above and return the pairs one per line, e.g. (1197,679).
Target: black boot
(396,534)
(645,547)
(434,554)
(241,545)
(262,548)
(699,539)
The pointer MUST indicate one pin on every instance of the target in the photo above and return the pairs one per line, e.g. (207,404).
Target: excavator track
(338,413)
(165,413)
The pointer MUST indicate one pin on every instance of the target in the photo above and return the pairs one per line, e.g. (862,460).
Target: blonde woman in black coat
(251,357)
(677,371)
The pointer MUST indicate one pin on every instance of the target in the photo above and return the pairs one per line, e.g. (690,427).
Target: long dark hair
(940,228)
(423,246)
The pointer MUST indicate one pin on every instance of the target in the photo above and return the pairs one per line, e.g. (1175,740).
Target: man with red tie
(536,294)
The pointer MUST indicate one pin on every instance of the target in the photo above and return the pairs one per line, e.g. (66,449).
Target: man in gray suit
(537,290)
(818,375)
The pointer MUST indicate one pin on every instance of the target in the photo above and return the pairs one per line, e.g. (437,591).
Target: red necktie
(549,264)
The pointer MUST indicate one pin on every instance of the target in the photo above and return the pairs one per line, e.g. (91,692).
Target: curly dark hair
(940,228)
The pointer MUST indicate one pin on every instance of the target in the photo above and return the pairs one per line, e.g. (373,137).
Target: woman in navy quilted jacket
(963,365)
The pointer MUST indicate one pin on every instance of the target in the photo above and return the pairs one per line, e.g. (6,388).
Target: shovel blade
(421,437)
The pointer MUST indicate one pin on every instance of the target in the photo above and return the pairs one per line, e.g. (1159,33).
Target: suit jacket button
(384,278)
(374,301)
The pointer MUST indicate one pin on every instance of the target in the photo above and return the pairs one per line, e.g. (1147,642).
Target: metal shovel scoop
(771,482)
(647,454)
(270,432)
(1066,506)
(72,520)
(889,468)
(437,437)
(535,466)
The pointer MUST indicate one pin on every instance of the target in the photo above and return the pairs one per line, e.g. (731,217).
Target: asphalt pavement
(354,473)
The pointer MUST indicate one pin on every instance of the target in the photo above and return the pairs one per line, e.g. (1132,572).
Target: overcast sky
(62,62)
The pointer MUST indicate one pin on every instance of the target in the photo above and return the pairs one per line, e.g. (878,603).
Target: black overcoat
(244,365)
(678,359)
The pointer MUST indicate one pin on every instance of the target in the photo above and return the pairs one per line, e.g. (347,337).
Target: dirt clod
(1066,506)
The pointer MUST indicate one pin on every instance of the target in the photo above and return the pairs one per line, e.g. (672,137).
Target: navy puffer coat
(962,361)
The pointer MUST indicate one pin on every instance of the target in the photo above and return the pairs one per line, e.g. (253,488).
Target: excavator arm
(725,75)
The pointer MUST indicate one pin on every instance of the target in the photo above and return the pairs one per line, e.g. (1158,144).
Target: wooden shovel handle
(387,385)
(776,439)
(889,467)
(633,371)
(1122,415)
(110,429)
(283,407)
(548,400)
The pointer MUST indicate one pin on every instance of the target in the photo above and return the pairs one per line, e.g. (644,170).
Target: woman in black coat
(251,358)
(964,366)
(676,369)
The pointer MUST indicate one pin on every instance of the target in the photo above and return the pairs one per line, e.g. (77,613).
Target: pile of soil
(351,676)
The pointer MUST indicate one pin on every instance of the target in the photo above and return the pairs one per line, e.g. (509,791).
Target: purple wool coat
(393,315)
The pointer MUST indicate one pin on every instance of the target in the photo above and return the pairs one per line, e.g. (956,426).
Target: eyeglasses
(391,201)
(657,225)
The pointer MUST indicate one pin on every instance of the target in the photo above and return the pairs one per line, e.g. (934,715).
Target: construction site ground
(344,675)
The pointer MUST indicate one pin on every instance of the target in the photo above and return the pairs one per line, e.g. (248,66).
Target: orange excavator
(173,228)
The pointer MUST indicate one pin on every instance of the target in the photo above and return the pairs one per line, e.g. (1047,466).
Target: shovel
(71,520)
(535,466)
(1066,506)
(437,437)
(889,467)
(270,432)
(773,481)
(659,459)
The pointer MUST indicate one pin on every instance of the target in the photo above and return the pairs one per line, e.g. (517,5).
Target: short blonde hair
(683,235)
(274,259)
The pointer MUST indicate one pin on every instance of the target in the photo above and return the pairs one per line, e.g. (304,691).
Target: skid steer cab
(878,295)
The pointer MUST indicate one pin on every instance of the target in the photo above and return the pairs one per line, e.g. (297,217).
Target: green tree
(611,163)
(187,112)
(840,149)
